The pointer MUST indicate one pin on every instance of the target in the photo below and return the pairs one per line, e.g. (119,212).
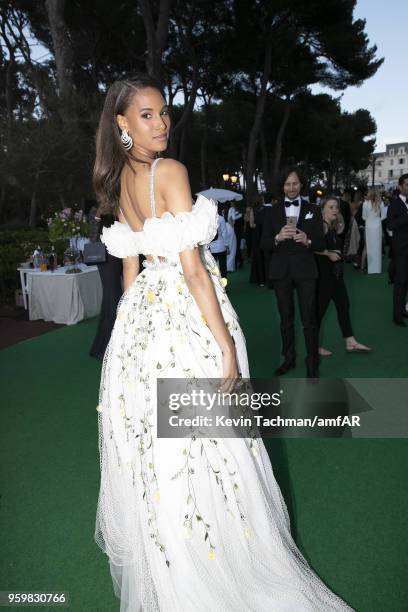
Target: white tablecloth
(64,298)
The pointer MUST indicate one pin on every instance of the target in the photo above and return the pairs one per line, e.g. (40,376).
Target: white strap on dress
(152,200)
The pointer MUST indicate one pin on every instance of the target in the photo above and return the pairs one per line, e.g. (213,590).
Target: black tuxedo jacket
(397,221)
(290,257)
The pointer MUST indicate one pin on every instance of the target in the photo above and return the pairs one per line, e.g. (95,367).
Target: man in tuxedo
(293,231)
(397,222)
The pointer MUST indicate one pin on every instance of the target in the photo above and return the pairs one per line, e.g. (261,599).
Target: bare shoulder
(171,167)
(174,185)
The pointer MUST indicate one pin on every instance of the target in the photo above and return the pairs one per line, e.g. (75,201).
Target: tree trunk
(9,98)
(259,112)
(63,54)
(203,148)
(307,171)
(156,36)
(244,158)
(265,162)
(33,202)
(278,144)
(17,31)
(203,159)
(10,63)
(189,106)
(3,212)
(182,145)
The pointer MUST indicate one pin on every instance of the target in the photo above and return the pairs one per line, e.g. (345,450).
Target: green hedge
(16,246)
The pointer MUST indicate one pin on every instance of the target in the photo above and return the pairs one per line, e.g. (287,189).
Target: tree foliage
(237,74)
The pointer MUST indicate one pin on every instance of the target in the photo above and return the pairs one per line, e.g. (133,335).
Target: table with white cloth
(60,297)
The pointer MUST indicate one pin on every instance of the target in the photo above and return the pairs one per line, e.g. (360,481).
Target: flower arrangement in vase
(66,224)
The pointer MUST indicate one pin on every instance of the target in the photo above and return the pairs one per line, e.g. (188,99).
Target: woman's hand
(333,256)
(229,371)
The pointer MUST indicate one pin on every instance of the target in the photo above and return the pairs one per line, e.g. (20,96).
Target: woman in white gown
(374,212)
(232,247)
(189,525)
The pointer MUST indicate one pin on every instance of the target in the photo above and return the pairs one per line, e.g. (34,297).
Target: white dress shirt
(404,199)
(221,243)
(293,211)
(233,215)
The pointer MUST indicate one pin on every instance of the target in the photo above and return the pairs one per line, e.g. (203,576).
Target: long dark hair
(111,156)
(284,173)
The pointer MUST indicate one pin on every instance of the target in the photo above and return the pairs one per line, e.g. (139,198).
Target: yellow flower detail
(204,319)
(224,282)
(215,271)
(157,496)
(211,554)
(151,297)
(179,289)
(99,408)
(247,533)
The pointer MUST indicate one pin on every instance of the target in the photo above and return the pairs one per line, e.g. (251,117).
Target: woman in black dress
(110,272)
(331,284)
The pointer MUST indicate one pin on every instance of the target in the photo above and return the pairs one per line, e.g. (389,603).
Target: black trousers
(249,238)
(221,259)
(400,283)
(110,273)
(391,265)
(332,288)
(306,292)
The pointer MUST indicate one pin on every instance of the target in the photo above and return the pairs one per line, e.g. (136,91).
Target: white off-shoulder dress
(188,525)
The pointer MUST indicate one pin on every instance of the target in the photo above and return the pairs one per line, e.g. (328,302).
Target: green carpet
(347,498)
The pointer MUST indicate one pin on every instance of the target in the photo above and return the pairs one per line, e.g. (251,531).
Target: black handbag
(94,253)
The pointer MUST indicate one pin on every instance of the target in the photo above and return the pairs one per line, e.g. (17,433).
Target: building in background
(386,168)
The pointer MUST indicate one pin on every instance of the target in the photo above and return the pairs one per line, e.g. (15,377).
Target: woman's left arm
(130,270)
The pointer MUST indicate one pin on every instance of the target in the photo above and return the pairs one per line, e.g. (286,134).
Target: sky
(385,95)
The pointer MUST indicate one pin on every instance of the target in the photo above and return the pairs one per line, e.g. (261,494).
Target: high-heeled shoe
(324,352)
(356,347)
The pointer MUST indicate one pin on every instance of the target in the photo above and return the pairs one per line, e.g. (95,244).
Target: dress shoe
(285,367)
(399,322)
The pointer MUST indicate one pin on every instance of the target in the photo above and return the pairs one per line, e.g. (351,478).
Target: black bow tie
(293,203)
